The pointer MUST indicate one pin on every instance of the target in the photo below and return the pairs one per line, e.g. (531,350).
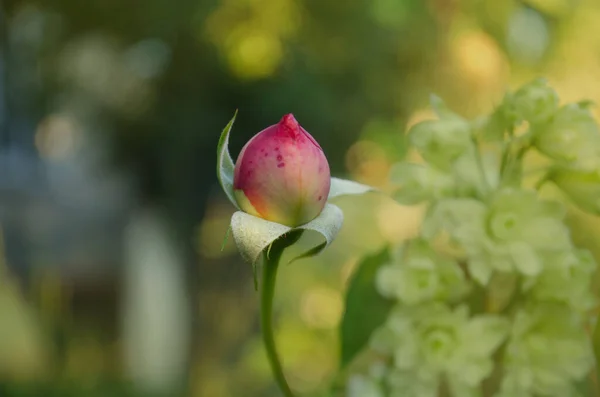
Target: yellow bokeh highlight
(255,55)
(477,67)
(420,115)
(396,222)
(250,34)
(478,57)
(574,69)
(368,163)
(321,307)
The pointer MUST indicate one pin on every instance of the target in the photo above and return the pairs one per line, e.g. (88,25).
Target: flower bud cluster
(484,225)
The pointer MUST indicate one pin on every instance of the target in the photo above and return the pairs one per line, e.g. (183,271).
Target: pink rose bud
(282,175)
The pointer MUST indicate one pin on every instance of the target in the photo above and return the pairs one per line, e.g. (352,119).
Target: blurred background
(113,278)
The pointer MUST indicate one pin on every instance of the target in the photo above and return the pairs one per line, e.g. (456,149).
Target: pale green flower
(468,178)
(435,340)
(416,183)
(566,278)
(459,389)
(461,218)
(571,137)
(508,234)
(362,386)
(547,352)
(398,338)
(521,216)
(414,383)
(419,274)
(441,142)
(534,102)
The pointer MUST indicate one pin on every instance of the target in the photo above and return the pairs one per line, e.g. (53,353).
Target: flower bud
(534,102)
(583,187)
(282,175)
(415,183)
(571,137)
(441,142)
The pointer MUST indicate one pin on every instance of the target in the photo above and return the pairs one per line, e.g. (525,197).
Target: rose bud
(282,175)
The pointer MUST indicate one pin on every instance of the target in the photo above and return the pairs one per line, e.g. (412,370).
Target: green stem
(269,278)
(479,161)
(506,152)
(504,162)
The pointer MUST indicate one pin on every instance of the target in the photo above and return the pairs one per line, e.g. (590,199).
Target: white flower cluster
(450,334)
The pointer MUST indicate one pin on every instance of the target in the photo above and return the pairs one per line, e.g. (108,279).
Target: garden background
(114,280)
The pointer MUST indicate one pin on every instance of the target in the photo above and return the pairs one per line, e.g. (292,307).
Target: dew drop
(279,157)
(280,165)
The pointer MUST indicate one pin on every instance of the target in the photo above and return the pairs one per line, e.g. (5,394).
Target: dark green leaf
(366,310)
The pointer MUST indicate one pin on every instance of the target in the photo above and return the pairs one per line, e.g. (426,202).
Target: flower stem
(479,160)
(506,152)
(269,278)
(504,162)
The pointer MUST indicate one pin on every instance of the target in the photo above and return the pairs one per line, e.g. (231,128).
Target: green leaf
(342,187)
(253,235)
(366,310)
(225,165)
